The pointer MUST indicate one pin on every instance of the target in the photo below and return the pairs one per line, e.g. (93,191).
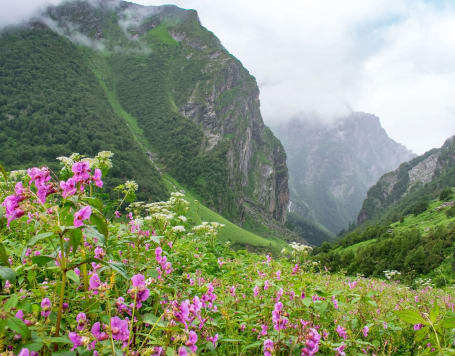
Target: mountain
(332,165)
(414,183)
(154,86)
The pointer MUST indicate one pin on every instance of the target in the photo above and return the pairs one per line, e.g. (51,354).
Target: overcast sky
(392,58)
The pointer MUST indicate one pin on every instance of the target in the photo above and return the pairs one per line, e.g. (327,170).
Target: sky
(323,58)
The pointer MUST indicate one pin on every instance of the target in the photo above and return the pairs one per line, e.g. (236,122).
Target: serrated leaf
(11,303)
(411,317)
(39,237)
(34,346)
(73,276)
(18,326)
(7,274)
(434,313)
(42,260)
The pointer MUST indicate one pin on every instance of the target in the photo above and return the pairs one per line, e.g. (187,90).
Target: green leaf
(411,317)
(7,274)
(434,313)
(94,202)
(11,303)
(39,237)
(252,346)
(4,173)
(75,238)
(422,334)
(34,346)
(3,255)
(42,260)
(100,222)
(18,326)
(448,322)
(118,267)
(73,276)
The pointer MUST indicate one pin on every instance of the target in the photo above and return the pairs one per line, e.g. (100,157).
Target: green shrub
(446,194)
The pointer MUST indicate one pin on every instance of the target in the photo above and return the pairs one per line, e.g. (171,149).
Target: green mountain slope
(156,88)
(421,243)
(52,105)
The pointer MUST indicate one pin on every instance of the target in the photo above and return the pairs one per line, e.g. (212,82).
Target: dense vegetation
(313,234)
(74,282)
(51,104)
(422,243)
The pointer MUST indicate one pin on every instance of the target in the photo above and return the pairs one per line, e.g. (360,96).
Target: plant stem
(132,321)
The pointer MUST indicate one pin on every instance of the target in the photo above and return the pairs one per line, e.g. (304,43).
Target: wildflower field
(84,276)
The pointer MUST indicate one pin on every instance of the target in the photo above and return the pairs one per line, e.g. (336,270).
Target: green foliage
(180,288)
(450,212)
(313,234)
(51,104)
(445,194)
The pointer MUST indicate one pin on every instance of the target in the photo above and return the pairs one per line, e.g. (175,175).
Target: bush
(446,194)
(451,212)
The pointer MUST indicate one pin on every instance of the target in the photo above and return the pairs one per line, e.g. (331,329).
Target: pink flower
(117,214)
(94,283)
(340,350)
(81,215)
(232,291)
(278,275)
(97,333)
(99,253)
(268,347)
(119,329)
(365,331)
(191,342)
(76,339)
(97,178)
(266,284)
(311,343)
(139,289)
(213,339)
(182,351)
(341,332)
(418,326)
(81,319)
(27,352)
(256,291)
(68,187)
(81,171)
(46,307)
(263,330)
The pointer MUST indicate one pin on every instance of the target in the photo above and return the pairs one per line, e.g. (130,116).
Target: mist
(395,59)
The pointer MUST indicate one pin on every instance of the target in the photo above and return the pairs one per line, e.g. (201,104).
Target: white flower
(178,228)
(182,218)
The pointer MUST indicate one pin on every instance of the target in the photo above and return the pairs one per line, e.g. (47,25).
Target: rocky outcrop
(435,166)
(166,67)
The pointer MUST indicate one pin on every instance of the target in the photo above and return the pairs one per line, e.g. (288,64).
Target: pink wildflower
(81,215)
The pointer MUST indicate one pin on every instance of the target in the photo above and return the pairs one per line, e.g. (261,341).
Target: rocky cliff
(416,180)
(332,165)
(183,96)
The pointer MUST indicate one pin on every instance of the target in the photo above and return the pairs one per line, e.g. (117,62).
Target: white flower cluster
(208,228)
(17,175)
(131,186)
(391,274)
(423,282)
(101,160)
(178,229)
(306,249)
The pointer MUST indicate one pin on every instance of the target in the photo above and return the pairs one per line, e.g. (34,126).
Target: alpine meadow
(158,199)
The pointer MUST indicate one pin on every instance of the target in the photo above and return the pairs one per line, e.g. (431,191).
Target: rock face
(331,166)
(195,105)
(435,167)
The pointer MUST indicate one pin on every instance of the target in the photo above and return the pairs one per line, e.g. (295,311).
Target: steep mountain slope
(413,183)
(194,106)
(331,166)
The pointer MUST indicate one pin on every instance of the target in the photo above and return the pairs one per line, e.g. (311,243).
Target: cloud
(395,59)
(391,58)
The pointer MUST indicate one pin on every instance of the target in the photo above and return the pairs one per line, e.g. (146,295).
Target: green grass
(160,34)
(429,219)
(230,232)
(355,247)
